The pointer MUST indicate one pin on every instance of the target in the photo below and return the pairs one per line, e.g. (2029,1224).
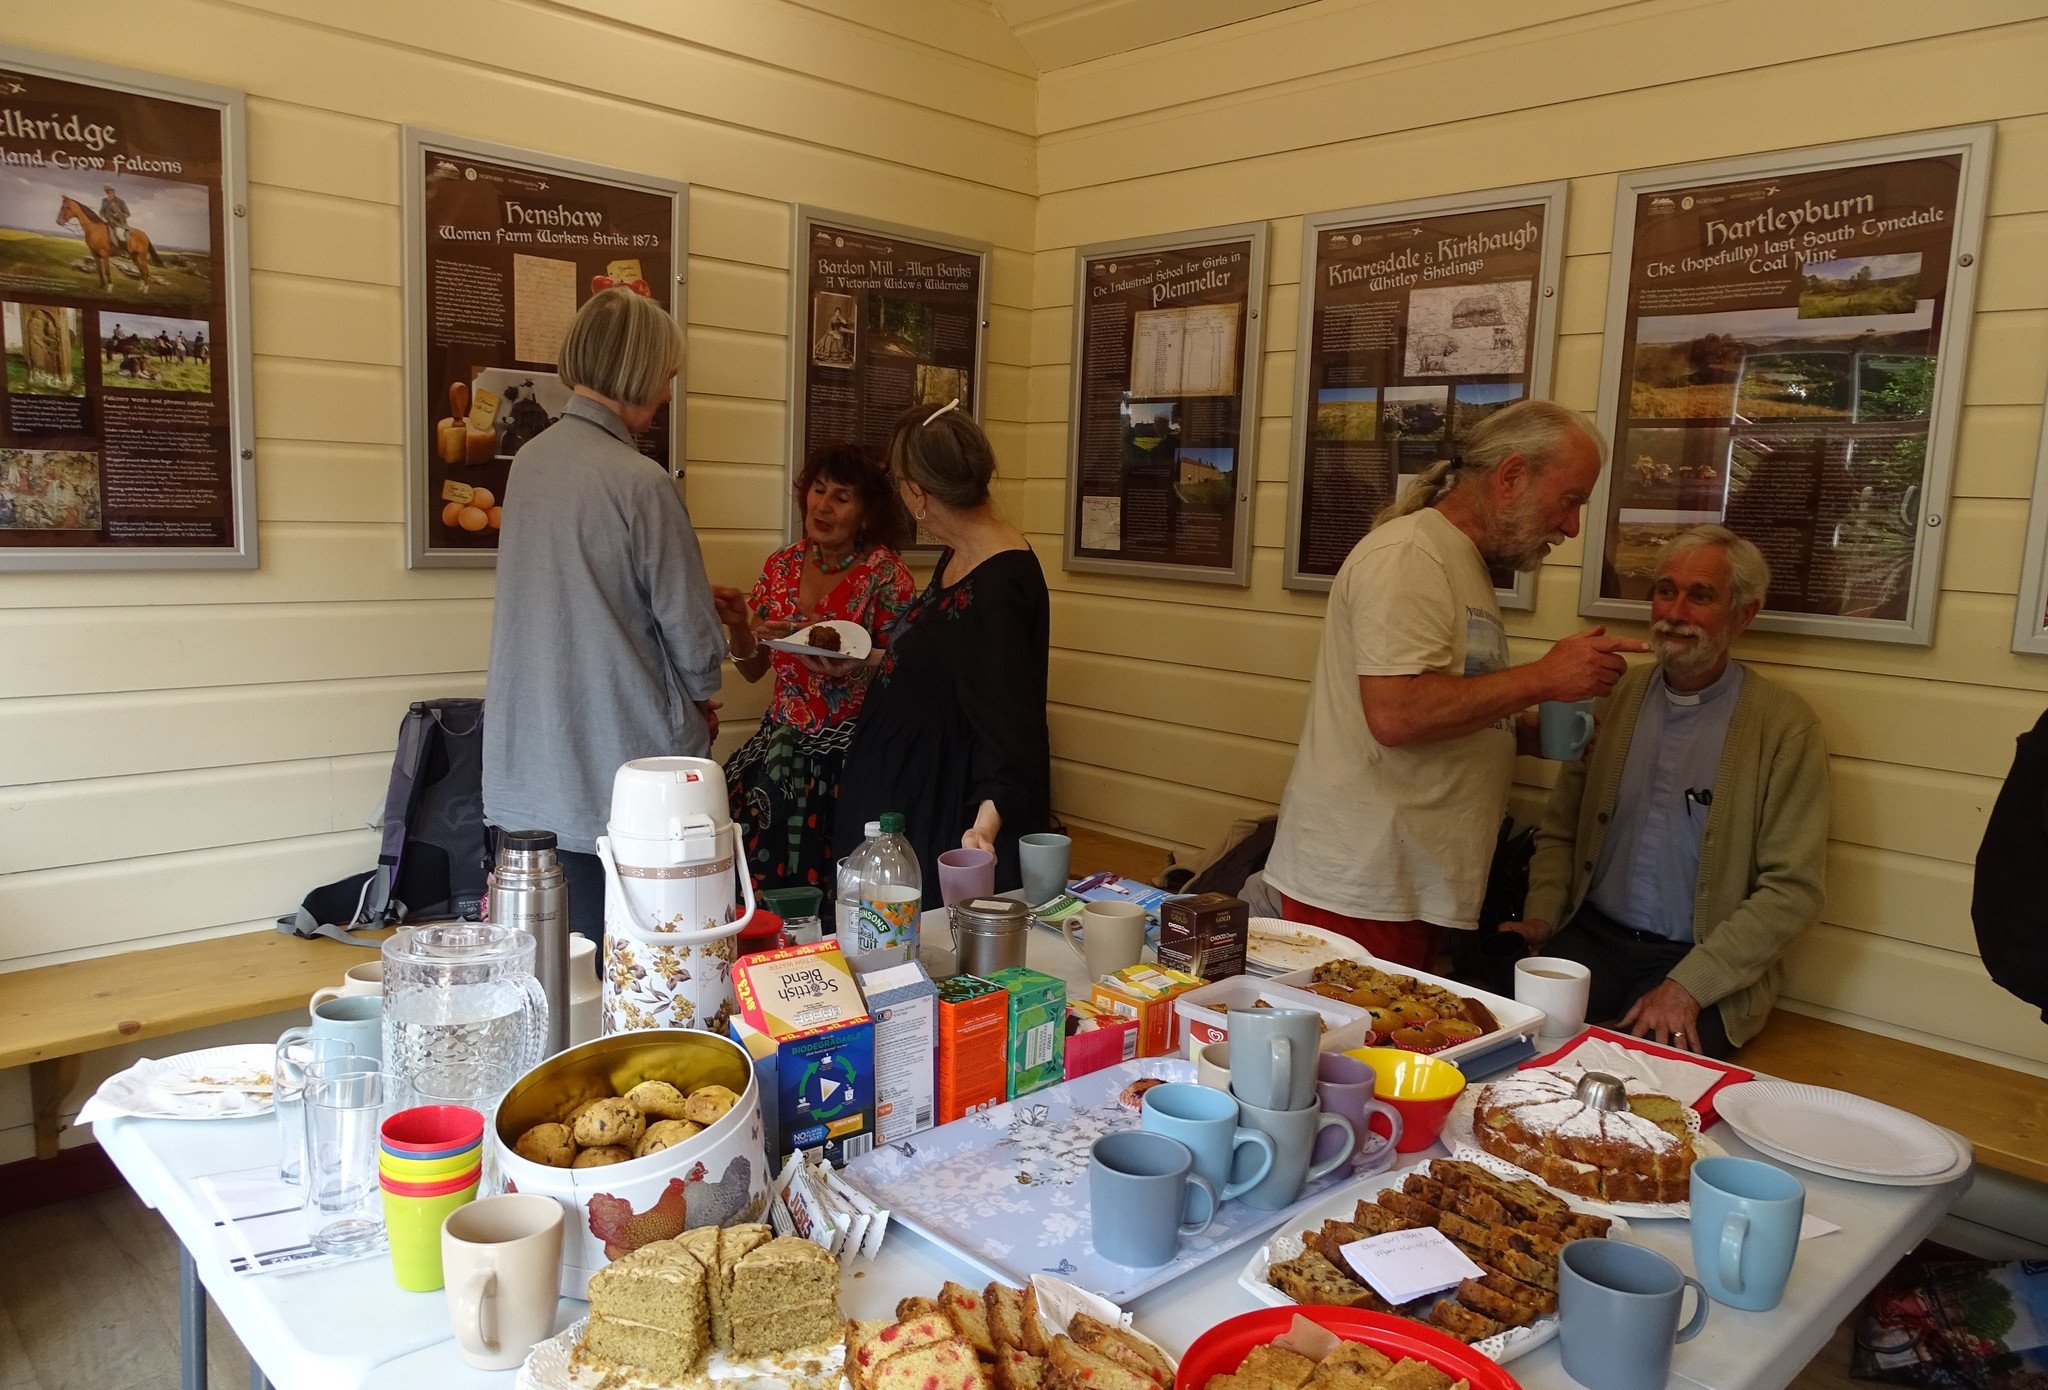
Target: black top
(2010,903)
(957,717)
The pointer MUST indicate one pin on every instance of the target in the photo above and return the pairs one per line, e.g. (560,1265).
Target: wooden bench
(51,1016)
(2004,1113)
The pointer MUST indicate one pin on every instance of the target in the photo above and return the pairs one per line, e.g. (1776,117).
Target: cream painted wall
(1178,706)
(184,755)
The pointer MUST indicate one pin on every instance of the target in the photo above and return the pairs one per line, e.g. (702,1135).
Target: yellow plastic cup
(427,1170)
(412,1225)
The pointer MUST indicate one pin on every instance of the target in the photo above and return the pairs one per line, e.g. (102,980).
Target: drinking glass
(344,1106)
(297,1050)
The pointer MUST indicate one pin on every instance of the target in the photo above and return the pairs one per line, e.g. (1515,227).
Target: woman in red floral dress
(783,781)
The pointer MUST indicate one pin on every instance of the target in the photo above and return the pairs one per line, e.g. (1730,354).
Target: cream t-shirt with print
(1398,834)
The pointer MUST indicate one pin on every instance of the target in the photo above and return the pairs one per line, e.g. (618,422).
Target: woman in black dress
(953,733)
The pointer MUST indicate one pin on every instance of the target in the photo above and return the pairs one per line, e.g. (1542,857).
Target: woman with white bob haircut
(604,643)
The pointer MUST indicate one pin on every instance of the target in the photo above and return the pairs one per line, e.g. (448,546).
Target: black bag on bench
(433,858)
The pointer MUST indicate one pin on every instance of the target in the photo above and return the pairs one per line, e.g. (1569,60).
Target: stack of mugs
(429,1163)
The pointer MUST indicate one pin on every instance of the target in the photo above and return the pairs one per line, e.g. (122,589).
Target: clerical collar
(1723,683)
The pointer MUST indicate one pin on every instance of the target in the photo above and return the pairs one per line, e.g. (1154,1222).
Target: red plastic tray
(1223,1348)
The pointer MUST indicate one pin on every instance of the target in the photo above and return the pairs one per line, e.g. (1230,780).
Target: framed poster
(1163,419)
(127,440)
(887,317)
(1784,355)
(1418,320)
(2030,622)
(503,246)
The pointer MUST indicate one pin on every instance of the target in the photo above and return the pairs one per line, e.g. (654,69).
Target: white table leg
(191,1323)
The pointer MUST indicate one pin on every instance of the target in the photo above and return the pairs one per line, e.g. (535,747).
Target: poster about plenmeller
(1421,324)
(118,419)
(1161,427)
(1783,339)
(511,251)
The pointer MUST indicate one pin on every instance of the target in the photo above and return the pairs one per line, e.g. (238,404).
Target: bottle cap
(892,822)
(526,841)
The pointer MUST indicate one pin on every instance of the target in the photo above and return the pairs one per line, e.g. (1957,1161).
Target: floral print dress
(782,782)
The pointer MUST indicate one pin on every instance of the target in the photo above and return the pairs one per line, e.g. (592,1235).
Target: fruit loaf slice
(1134,1353)
(1074,1367)
(970,1317)
(947,1365)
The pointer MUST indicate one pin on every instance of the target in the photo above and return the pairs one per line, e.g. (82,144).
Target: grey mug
(1618,1307)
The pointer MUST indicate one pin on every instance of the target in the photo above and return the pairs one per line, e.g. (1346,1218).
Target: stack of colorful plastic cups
(429,1163)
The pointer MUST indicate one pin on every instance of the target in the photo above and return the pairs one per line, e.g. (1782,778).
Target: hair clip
(953,404)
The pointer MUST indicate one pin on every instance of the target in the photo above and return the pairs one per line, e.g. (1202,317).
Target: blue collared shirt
(1650,861)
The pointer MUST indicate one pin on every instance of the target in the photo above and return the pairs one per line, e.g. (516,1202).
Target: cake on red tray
(1535,1120)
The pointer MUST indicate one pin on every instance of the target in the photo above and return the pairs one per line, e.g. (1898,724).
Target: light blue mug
(357,1019)
(1564,728)
(1745,1230)
(1206,1121)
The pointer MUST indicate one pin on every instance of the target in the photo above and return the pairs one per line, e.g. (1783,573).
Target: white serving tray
(1517,1020)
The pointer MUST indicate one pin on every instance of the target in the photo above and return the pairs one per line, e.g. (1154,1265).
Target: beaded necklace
(816,554)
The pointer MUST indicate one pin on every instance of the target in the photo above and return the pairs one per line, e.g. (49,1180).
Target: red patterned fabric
(873,592)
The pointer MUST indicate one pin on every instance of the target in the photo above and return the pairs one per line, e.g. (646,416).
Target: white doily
(553,1365)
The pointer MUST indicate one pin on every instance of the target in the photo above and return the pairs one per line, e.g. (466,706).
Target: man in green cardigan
(1684,855)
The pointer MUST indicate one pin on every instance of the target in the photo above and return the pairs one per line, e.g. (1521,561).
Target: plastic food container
(1516,1020)
(1204,1012)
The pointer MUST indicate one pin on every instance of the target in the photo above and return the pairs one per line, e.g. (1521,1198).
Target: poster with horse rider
(125,430)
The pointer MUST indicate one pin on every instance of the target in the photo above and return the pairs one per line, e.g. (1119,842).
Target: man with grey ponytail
(1683,856)
(1388,823)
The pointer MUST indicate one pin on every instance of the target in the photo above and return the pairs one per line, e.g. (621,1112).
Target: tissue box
(1146,993)
(1204,935)
(904,1005)
(802,1021)
(974,1032)
(1097,1038)
(1038,1027)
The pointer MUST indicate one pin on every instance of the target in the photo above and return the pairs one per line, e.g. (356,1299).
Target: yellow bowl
(1422,1088)
(426,1169)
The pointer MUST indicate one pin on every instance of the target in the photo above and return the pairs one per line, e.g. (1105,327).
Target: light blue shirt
(1650,861)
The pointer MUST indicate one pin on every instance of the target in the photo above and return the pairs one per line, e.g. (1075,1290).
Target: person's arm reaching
(1433,707)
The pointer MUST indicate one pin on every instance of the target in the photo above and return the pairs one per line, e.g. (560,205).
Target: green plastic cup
(412,1225)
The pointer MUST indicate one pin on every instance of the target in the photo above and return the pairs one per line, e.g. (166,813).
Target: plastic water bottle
(891,900)
(846,900)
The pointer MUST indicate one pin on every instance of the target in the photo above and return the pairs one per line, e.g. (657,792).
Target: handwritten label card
(1402,1266)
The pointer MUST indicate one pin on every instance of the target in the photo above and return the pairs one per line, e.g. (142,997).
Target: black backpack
(433,856)
(2009,902)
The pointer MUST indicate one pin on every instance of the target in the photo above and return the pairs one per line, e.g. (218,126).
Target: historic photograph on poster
(503,247)
(1164,407)
(1418,320)
(125,432)
(894,317)
(1784,356)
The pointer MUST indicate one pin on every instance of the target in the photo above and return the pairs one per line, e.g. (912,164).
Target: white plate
(156,1089)
(1274,946)
(552,1365)
(1502,1347)
(1965,1159)
(1459,1139)
(854,642)
(1835,1128)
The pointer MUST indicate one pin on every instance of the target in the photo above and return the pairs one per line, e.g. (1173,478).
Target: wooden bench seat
(2004,1113)
(51,1016)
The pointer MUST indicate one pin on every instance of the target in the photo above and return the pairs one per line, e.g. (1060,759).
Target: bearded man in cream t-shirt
(1389,820)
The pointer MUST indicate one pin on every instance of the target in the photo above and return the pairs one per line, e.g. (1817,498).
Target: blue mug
(1564,728)
(1206,1121)
(1745,1230)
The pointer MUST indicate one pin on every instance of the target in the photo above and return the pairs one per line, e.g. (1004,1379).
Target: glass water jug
(464,1016)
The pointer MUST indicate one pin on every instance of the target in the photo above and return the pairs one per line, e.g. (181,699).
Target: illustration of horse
(99,239)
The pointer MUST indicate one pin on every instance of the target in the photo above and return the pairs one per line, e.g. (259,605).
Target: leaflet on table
(259,1222)
(1102,888)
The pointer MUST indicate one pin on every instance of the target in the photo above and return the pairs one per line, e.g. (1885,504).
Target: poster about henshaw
(118,419)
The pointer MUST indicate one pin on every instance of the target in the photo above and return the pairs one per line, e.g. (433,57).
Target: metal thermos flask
(529,891)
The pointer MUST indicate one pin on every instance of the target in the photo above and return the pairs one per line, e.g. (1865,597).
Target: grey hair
(622,346)
(1533,429)
(1749,574)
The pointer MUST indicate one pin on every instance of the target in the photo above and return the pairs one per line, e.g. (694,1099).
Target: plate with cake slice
(1635,1161)
(833,639)
(1512,1230)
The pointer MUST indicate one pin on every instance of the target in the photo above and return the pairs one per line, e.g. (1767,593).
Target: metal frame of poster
(1797,374)
(821,287)
(1163,345)
(1462,329)
(449,456)
(2030,618)
(181,401)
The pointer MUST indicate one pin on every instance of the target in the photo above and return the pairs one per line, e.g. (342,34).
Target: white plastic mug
(367,978)
(1559,987)
(502,1259)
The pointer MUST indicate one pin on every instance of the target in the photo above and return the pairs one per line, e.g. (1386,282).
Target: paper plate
(215,1083)
(1224,1347)
(854,642)
(1274,946)
(1834,1128)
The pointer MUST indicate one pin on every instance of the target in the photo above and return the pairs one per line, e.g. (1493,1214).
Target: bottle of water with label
(846,900)
(891,900)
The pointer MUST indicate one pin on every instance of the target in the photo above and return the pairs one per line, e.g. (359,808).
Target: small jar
(989,934)
(763,932)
